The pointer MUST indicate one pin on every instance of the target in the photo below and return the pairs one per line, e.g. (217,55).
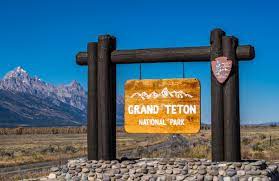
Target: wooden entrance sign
(101,59)
(162,106)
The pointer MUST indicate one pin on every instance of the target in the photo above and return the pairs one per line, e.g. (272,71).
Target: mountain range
(30,101)
(165,93)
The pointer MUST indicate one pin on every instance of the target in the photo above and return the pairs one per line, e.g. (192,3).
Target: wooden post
(231,103)
(92,118)
(113,101)
(217,110)
(105,87)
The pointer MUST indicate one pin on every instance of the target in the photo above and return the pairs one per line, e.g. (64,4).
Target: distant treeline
(46,130)
(81,129)
(42,130)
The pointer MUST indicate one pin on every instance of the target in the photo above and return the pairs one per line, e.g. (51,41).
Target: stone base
(160,169)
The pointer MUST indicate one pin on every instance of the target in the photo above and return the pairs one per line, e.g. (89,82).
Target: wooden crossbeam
(184,54)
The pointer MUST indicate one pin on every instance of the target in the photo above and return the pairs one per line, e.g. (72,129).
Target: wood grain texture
(82,58)
(162,93)
(231,104)
(113,101)
(106,102)
(92,118)
(217,101)
(152,55)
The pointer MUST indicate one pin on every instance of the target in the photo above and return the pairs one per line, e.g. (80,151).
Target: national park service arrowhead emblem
(221,68)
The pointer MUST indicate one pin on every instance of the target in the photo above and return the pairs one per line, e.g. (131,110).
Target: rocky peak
(75,85)
(17,73)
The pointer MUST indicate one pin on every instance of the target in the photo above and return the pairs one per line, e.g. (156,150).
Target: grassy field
(18,149)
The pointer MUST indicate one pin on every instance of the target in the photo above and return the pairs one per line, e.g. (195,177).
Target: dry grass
(17,149)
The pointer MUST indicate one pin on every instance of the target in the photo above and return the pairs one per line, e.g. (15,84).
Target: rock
(118,176)
(264,172)
(132,171)
(247,167)
(227,179)
(104,166)
(214,172)
(163,169)
(85,170)
(253,172)
(78,169)
(240,172)
(200,177)
(99,175)
(68,176)
(238,164)
(52,176)
(162,178)
(222,165)
(272,168)
(257,179)
(124,170)
(115,166)
(180,177)
(243,179)
(176,171)
(195,167)
(235,178)
(208,178)
(76,178)
(231,173)
(258,163)
(202,171)
(99,170)
(222,172)
(160,172)
(125,177)
(65,169)
(152,171)
(54,169)
(265,178)
(184,172)
(162,162)
(91,177)
(215,178)
(207,163)
(168,171)
(112,172)
(84,177)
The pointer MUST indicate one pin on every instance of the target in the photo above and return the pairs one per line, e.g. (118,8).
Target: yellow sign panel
(162,106)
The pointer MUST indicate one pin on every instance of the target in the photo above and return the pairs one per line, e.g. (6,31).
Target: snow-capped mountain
(18,80)
(27,100)
(30,101)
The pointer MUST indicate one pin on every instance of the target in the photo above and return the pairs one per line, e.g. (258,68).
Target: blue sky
(44,36)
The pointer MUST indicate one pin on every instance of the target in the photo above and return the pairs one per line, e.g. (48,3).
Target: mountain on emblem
(165,93)
(221,68)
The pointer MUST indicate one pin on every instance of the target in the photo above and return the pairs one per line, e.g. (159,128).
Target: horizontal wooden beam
(81,58)
(186,54)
